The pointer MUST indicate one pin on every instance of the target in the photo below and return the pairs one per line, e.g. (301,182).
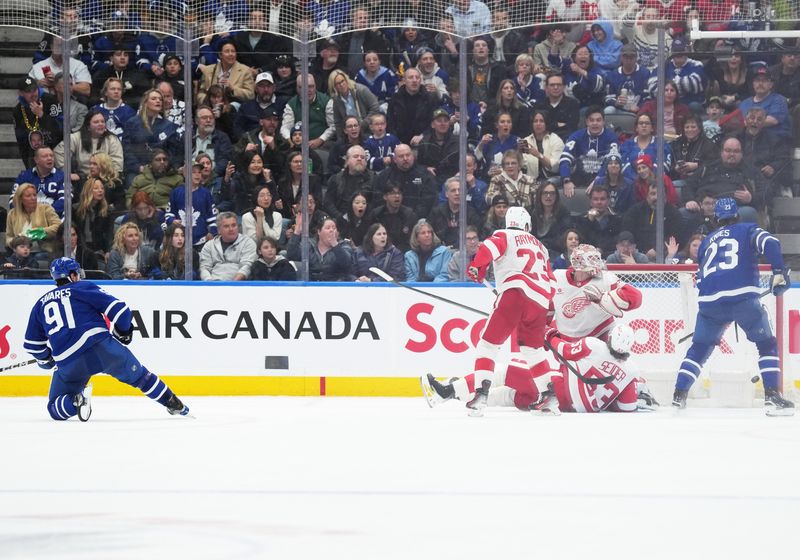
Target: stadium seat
(578,205)
(785,215)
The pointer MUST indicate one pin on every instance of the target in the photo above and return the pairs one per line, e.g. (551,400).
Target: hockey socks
(768,365)
(152,386)
(62,408)
(691,365)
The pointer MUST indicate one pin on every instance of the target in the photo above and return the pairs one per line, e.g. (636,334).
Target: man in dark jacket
(766,152)
(398,219)
(211,141)
(438,151)
(410,109)
(267,142)
(250,112)
(599,226)
(444,218)
(640,220)
(416,182)
(35,124)
(352,178)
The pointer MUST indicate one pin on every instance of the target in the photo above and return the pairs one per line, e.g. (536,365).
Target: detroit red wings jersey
(520,261)
(575,315)
(591,358)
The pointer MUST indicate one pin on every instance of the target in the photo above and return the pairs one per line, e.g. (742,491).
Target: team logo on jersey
(575,306)
(4,345)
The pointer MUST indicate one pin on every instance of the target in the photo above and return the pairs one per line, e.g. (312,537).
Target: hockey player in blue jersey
(67,330)
(727,279)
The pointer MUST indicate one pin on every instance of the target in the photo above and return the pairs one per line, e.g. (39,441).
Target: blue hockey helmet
(63,267)
(726,208)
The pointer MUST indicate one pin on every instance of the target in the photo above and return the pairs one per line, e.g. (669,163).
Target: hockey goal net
(667,315)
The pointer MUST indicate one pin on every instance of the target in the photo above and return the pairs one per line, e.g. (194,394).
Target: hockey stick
(683,339)
(20,364)
(382,274)
(562,359)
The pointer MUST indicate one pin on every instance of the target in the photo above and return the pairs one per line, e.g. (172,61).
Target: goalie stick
(562,359)
(20,364)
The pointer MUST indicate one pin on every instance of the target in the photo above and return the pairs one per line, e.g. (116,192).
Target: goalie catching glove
(780,281)
(611,301)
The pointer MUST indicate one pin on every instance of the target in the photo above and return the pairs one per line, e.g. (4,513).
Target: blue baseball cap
(726,208)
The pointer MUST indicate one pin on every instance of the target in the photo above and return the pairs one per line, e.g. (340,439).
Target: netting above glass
(318,19)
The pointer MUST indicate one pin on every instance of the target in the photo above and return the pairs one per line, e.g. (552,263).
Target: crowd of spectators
(544,110)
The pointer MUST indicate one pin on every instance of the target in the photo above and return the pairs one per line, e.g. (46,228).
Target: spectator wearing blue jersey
(529,87)
(115,110)
(582,79)
(489,151)
(48,180)
(381,144)
(381,81)
(134,81)
(584,151)
(729,291)
(153,47)
(78,327)
(688,75)
(130,259)
(627,85)
(148,131)
(204,213)
(774,104)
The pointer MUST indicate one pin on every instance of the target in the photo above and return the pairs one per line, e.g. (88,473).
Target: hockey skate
(478,402)
(435,392)
(83,402)
(177,408)
(547,403)
(679,399)
(776,405)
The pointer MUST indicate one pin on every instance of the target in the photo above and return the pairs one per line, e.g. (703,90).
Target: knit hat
(644,160)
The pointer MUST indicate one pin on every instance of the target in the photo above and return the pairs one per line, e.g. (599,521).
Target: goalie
(588,298)
(541,389)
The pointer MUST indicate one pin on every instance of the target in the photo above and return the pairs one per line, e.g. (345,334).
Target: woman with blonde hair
(129,258)
(147,131)
(91,214)
(528,86)
(427,259)
(102,168)
(39,222)
(350,98)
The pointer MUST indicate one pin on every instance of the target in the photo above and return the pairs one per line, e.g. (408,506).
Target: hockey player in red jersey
(541,389)
(525,287)
(588,298)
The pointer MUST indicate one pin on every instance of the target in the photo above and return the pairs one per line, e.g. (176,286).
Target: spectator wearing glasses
(549,218)
(350,99)
(511,182)
(564,111)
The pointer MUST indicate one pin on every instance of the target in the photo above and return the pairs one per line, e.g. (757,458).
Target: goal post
(667,314)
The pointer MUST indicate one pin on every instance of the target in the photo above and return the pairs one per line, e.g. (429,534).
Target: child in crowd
(20,258)
(380,145)
(714,112)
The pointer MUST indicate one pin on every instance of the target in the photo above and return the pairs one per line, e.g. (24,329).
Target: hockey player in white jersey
(525,287)
(544,389)
(588,298)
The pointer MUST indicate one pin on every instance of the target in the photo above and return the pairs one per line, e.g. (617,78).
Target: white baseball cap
(265,76)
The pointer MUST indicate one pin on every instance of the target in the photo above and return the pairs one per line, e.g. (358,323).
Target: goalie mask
(621,338)
(518,218)
(586,258)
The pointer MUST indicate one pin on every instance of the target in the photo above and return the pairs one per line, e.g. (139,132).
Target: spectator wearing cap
(646,177)
(208,140)
(410,109)
(444,218)
(255,48)
(354,177)
(350,99)
(439,148)
(626,252)
(605,49)
(325,63)
(641,31)
(495,215)
(688,75)
(554,50)
(406,44)
(204,212)
(774,104)
(46,71)
(229,74)
(250,112)
(483,74)
(627,85)
(433,77)
(640,219)
(134,81)
(34,121)
(321,127)
(296,144)
(285,74)
(470,17)
(418,185)
(267,142)
(765,152)
(397,218)
(173,73)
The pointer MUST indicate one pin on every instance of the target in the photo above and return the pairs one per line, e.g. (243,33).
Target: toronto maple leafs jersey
(204,212)
(70,319)
(583,154)
(728,269)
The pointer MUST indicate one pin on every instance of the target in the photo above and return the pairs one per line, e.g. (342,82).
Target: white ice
(380,478)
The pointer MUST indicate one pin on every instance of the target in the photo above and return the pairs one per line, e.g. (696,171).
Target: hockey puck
(755,379)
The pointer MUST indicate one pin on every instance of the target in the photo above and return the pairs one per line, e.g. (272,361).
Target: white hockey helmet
(621,338)
(586,258)
(517,217)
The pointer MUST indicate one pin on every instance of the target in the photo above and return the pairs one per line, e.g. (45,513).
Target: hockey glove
(49,363)
(550,333)
(475,274)
(124,337)
(779,282)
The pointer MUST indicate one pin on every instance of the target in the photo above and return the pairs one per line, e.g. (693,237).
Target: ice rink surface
(380,478)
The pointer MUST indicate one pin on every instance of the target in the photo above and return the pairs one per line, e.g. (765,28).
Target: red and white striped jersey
(520,261)
(591,358)
(575,315)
